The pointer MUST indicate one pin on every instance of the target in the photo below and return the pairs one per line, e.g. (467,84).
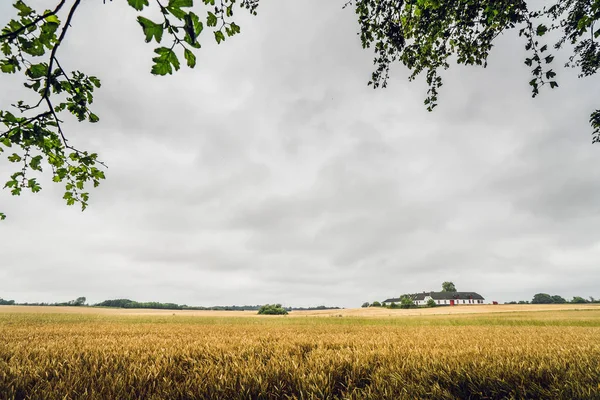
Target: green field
(511,355)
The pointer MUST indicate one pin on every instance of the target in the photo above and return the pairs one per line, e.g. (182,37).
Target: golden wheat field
(534,355)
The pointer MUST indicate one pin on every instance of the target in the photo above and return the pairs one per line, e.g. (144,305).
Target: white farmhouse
(441,298)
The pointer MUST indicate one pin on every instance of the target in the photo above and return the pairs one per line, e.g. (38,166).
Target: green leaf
(33,185)
(53,19)
(198,26)
(165,61)
(37,71)
(176,12)
(151,29)
(235,28)
(190,57)
(24,10)
(93,118)
(95,81)
(14,158)
(138,4)
(6,50)
(211,19)
(219,37)
(193,26)
(9,65)
(181,3)
(541,30)
(553,84)
(2,216)
(35,163)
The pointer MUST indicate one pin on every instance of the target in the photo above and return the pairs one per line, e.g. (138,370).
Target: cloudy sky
(272,173)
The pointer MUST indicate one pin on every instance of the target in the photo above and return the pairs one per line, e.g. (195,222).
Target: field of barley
(535,355)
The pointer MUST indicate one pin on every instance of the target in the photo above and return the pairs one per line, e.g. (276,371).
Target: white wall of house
(447,302)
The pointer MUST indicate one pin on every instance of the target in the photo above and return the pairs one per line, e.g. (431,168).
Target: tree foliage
(542,298)
(32,135)
(578,300)
(428,35)
(448,287)
(406,302)
(6,302)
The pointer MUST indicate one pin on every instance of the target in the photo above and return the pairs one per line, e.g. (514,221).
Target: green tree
(33,135)
(558,299)
(431,303)
(406,302)
(542,298)
(375,304)
(578,300)
(365,304)
(448,287)
(427,35)
(272,309)
(80,301)
(6,302)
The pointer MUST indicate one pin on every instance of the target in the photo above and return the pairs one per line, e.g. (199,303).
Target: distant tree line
(545,298)
(80,301)
(127,303)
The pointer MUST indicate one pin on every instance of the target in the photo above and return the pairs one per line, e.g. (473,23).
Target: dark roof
(440,296)
(393,300)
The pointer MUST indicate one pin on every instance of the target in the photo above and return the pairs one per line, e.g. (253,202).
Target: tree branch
(11,35)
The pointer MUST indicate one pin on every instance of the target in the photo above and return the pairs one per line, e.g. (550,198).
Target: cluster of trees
(126,303)
(6,302)
(545,298)
(272,309)
(405,302)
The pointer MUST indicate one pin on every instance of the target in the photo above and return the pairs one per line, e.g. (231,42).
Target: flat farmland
(346,312)
(491,352)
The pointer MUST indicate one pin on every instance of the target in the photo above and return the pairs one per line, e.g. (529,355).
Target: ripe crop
(85,356)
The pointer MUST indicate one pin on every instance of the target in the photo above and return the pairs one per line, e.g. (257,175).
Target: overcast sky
(272,173)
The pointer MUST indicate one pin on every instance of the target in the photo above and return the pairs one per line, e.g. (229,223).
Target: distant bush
(272,309)
(375,304)
(393,305)
(431,303)
(365,304)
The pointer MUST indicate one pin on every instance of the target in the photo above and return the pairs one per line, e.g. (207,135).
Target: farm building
(441,298)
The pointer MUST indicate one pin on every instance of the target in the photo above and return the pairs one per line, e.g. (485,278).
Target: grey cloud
(272,173)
